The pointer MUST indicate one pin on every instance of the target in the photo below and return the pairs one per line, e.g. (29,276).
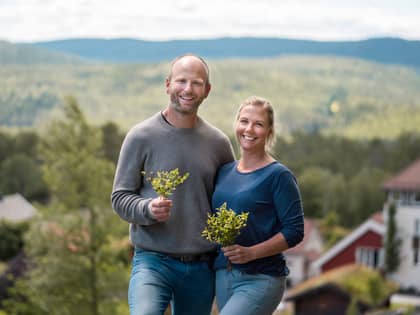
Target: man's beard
(184,110)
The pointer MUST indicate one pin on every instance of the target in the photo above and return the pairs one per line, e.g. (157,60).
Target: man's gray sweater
(154,145)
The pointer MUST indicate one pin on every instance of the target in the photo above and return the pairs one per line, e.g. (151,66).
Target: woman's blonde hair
(266,105)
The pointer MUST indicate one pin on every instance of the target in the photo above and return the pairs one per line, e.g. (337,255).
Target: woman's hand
(238,254)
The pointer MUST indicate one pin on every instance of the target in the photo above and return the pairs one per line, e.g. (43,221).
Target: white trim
(345,242)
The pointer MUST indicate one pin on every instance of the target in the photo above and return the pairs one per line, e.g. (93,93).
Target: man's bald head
(201,60)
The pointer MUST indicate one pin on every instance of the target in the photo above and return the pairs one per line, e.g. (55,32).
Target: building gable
(369,234)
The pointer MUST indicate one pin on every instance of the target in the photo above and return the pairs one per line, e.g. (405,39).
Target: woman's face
(252,128)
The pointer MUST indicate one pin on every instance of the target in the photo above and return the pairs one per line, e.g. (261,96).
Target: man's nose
(188,86)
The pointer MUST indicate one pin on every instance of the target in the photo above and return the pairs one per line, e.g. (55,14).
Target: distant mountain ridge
(111,82)
(25,54)
(382,50)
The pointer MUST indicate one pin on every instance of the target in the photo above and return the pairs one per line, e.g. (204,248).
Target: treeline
(338,177)
(24,111)
(343,178)
(21,164)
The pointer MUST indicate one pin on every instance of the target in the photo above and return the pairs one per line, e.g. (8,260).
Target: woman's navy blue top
(272,198)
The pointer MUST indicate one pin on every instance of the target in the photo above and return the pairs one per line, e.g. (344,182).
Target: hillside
(30,54)
(383,50)
(345,96)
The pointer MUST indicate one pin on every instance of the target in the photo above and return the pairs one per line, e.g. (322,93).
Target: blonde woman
(260,185)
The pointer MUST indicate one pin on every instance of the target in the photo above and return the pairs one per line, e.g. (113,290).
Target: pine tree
(75,268)
(392,242)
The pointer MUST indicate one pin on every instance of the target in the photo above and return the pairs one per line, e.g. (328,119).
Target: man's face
(187,85)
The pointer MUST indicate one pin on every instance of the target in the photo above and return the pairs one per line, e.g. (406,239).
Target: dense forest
(77,244)
(332,95)
(336,174)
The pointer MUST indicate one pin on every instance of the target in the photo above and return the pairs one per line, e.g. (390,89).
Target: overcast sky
(38,20)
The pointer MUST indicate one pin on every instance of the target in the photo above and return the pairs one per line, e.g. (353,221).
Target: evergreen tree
(365,195)
(112,139)
(75,265)
(20,173)
(392,242)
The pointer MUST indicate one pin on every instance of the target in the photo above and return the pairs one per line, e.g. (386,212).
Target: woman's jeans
(157,280)
(239,293)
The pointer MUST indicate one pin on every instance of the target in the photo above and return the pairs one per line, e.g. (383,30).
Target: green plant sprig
(224,226)
(165,182)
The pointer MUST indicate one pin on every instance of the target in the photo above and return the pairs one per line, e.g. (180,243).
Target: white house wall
(296,265)
(408,274)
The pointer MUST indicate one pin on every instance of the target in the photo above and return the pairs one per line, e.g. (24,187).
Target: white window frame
(365,255)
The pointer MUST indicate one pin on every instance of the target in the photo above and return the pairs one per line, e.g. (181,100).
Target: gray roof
(15,208)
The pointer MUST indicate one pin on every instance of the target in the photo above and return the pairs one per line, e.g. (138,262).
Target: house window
(368,256)
(406,197)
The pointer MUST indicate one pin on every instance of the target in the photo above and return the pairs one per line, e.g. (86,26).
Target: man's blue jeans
(241,293)
(157,280)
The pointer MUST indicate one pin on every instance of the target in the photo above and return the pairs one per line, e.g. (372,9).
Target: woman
(260,185)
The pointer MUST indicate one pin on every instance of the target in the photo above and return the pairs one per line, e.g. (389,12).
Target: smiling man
(187,85)
(172,262)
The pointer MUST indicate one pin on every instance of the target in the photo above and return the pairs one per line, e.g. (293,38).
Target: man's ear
(167,84)
(208,89)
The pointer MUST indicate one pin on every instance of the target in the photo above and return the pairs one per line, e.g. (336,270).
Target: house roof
(314,291)
(15,208)
(343,279)
(407,180)
(331,277)
(372,224)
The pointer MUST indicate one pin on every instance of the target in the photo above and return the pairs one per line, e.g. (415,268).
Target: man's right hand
(160,208)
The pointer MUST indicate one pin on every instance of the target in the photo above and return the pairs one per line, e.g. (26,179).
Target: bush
(11,241)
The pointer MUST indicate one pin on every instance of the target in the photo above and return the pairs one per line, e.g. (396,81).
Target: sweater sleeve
(125,198)
(288,203)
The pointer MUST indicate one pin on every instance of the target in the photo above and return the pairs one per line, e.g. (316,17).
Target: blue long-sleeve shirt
(272,198)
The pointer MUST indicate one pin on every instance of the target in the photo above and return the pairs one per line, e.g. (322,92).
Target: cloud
(34,20)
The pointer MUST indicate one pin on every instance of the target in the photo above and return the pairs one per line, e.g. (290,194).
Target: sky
(43,20)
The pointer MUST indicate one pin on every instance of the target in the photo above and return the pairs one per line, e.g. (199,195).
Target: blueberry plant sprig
(165,182)
(224,225)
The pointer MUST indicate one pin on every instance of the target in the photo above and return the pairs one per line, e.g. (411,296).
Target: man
(171,262)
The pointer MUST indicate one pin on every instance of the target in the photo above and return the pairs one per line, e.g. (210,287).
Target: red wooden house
(333,292)
(364,245)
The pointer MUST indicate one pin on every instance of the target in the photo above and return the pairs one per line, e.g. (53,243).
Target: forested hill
(328,93)
(24,54)
(382,50)
(344,96)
